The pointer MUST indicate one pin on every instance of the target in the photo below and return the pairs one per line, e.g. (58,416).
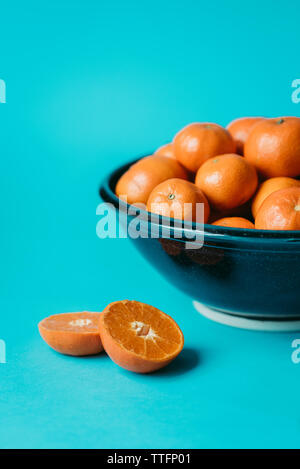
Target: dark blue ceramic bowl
(250,273)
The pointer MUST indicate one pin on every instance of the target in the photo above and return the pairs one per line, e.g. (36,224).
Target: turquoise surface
(89,86)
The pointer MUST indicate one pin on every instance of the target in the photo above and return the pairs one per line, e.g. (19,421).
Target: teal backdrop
(89,85)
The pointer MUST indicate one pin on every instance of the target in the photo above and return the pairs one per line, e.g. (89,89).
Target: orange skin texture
(72,340)
(235,222)
(273,147)
(121,349)
(198,142)
(280,211)
(166,150)
(168,199)
(228,181)
(240,129)
(268,187)
(141,178)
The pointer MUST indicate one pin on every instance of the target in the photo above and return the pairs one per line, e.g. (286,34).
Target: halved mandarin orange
(74,334)
(139,337)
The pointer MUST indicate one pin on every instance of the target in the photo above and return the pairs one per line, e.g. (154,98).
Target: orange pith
(138,336)
(82,322)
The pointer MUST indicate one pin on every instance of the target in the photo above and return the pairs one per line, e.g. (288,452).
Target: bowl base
(254,324)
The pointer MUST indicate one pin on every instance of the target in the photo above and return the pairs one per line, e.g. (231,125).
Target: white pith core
(297,208)
(143,330)
(80,322)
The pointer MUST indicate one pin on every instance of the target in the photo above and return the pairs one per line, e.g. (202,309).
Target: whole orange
(269,186)
(280,211)
(139,180)
(198,142)
(166,150)
(228,181)
(239,129)
(235,222)
(176,198)
(273,147)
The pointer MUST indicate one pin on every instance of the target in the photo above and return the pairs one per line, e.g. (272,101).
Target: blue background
(90,85)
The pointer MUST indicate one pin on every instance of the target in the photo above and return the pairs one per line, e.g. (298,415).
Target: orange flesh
(74,322)
(143,330)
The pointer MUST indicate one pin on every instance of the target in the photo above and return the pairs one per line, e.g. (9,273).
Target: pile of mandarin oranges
(245,175)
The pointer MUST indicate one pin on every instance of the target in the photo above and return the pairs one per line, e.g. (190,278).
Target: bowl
(243,272)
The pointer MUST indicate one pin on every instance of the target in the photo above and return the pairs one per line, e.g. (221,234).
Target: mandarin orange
(72,333)
(269,186)
(273,147)
(166,150)
(198,142)
(141,178)
(240,129)
(280,211)
(176,198)
(228,181)
(234,222)
(139,337)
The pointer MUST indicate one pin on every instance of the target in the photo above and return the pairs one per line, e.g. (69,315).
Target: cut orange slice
(72,333)
(139,337)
